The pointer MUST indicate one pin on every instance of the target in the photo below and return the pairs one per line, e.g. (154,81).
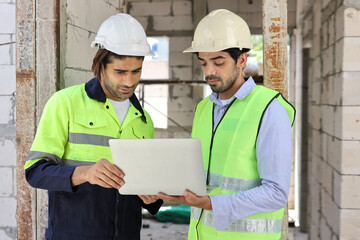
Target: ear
(241,62)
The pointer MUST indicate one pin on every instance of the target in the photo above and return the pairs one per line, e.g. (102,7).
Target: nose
(130,80)
(209,69)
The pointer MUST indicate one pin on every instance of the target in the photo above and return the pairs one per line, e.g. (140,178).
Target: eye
(120,72)
(219,63)
(136,71)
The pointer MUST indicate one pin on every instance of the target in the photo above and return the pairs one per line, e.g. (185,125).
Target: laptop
(170,166)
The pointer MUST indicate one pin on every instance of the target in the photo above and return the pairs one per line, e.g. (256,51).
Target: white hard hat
(122,34)
(220,30)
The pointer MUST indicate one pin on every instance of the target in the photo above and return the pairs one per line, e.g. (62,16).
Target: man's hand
(102,173)
(148,199)
(190,199)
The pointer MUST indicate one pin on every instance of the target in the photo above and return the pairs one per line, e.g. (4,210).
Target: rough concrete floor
(154,230)
(163,231)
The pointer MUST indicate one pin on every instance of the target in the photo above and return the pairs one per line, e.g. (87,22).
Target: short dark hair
(103,57)
(236,52)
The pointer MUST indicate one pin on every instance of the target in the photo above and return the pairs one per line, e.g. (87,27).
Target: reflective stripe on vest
(83,138)
(251,225)
(35,155)
(231,184)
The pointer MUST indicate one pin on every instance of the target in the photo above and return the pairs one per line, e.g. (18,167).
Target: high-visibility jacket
(74,130)
(229,156)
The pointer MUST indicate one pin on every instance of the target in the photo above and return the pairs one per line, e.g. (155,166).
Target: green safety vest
(75,129)
(229,156)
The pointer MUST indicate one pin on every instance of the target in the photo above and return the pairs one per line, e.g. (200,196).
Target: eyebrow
(212,59)
(121,70)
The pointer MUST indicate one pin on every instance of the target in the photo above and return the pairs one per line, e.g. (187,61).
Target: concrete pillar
(25,107)
(36,81)
(275,45)
(275,57)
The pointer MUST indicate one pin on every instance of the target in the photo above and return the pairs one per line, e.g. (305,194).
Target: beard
(224,85)
(114,90)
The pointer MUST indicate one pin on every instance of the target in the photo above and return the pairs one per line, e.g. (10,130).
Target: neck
(233,89)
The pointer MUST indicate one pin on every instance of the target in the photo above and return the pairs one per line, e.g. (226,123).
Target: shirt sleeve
(274,154)
(44,168)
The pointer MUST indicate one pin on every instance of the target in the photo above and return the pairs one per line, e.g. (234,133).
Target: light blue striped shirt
(274,154)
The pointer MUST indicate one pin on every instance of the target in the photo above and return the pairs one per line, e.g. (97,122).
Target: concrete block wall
(252,13)
(7,121)
(80,21)
(172,18)
(334,119)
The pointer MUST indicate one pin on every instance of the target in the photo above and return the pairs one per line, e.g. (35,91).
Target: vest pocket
(89,137)
(141,131)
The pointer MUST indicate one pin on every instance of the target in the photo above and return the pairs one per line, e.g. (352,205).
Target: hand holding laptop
(190,199)
(147,199)
(102,173)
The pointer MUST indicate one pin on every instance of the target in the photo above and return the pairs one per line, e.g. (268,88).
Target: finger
(112,168)
(171,198)
(110,181)
(114,177)
(163,196)
(111,177)
(107,169)
(100,182)
(146,199)
(151,197)
(142,197)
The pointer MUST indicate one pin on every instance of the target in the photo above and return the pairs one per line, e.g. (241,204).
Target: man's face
(120,78)
(221,72)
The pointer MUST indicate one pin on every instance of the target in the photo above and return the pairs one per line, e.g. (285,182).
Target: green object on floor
(175,214)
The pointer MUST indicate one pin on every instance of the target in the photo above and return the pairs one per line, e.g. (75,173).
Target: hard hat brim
(124,52)
(211,49)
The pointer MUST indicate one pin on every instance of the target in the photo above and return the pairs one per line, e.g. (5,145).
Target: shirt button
(120,132)
(107,107)
(136,113)
(91,123)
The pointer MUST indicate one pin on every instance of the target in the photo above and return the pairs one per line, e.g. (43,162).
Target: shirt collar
(94,91)
(243,91)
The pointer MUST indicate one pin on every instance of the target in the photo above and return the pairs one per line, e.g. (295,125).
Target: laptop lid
(170,166)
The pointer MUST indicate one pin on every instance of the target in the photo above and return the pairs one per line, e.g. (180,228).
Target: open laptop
(170,166)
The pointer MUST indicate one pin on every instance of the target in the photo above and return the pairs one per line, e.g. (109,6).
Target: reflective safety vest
(75,129)
(229,156)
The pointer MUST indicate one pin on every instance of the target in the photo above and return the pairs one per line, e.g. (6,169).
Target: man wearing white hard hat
(70,156)
(245,133)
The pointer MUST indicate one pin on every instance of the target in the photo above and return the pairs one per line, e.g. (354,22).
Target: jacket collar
(94,91)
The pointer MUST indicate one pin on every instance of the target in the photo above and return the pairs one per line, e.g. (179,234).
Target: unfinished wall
(173,19)
(252,12)
(80,21)
(332,29)
(7,121)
